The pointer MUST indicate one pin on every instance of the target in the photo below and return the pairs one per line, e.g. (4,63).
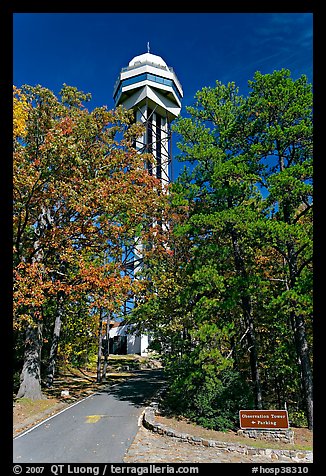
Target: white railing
(149,63)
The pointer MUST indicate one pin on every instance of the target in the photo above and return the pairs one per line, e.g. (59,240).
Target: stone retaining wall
(151,424)
(282,436)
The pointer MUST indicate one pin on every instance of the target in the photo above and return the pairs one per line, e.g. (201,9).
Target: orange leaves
(105,284)
(29,286)
(267,262)
(79,167)
(65,125)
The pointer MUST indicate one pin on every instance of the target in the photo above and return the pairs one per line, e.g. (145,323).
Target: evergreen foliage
(232,306)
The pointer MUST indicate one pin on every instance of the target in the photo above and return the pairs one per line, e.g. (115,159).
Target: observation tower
(152,90)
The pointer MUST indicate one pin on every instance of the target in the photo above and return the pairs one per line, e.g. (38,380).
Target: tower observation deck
(152,90)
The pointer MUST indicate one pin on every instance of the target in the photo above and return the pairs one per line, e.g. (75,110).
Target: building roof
(148,58)
(116,323)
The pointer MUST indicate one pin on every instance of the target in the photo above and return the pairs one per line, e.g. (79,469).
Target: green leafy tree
(225,200)
(281,129)
(239,274)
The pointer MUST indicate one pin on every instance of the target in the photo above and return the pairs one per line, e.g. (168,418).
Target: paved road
(98,429)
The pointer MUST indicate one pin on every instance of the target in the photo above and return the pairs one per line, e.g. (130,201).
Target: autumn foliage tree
(80,191)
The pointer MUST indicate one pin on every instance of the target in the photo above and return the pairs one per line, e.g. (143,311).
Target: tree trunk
(301,343)
(302,351)
(253,355)
(99,352)
(105,364)
(106,345)
(248,318)
(55,343)
(30,386)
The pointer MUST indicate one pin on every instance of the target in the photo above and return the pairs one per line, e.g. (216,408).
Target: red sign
(264,419)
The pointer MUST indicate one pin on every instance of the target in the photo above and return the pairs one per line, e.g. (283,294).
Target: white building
(124,339)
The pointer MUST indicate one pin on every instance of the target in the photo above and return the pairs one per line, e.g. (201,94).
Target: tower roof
(147,77)
(148,58)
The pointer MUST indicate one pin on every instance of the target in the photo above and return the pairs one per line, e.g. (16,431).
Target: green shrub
(213,402)
(217,404)
(298,418)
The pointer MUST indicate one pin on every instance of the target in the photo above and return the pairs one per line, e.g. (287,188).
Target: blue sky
(88,50)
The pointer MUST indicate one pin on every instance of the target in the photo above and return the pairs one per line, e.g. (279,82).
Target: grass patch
(25,408)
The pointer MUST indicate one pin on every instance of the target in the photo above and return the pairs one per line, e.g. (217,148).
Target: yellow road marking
(93,418)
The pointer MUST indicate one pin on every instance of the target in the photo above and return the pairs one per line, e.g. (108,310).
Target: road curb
(151,424)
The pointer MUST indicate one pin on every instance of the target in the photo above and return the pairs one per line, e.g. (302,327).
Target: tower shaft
(156,141)
(152,90)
